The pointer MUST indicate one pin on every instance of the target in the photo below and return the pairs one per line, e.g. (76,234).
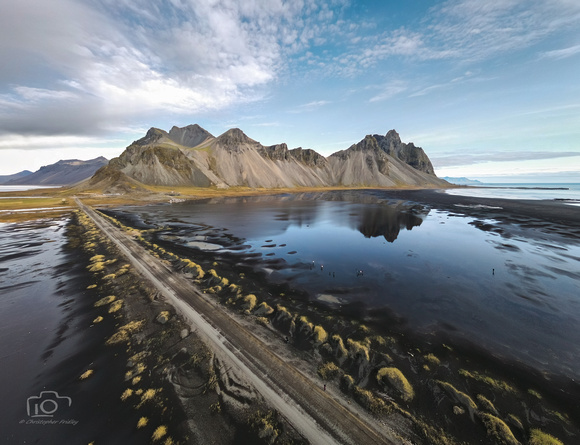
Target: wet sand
(511,210)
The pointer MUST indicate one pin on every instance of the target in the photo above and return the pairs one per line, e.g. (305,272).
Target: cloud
(561,53)
(454,160)
(468,31)
(310,106)
(389,90)
(109,63)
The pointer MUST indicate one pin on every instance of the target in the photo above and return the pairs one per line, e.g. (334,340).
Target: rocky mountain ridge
(191,156)
(7,178)
(64,172)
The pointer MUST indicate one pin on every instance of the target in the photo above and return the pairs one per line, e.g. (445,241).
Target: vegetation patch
(105,300)
(432,360)
(86,374)
(357,349)
(320,335)
(124,333)
(486,404)
(328,371)
(396,379)
(369,401)
(538,437)
(459,396)
(159,433)
(494,383)
(115,306)
(498,430)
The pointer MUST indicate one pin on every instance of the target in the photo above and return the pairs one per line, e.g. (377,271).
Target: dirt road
(313,412)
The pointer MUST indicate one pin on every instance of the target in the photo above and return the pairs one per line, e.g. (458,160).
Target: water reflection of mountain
(388,220)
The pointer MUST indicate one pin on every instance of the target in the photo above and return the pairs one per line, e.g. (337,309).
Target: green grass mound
(397,380)
(498,430)
(538,437)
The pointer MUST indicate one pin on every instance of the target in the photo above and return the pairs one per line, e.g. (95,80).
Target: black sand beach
(550,402)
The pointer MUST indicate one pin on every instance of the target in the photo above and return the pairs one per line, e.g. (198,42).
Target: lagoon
(506,287)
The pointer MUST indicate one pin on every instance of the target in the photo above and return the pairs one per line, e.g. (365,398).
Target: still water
(512,290)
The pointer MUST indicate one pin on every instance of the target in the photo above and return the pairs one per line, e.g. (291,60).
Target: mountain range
(64,172)
(462,181)
(7,178)
(191,156)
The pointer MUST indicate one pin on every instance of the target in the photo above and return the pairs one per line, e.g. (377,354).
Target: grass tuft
(538,437)
(105,300)
(432,360)
(125,332)
(159,432)
(494,383)
(397,380)
(320,335)
(498,430)
(86,374)
(117,305)
(328,371)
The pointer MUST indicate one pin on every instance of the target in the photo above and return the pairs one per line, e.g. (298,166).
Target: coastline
(551,219)
(557,391)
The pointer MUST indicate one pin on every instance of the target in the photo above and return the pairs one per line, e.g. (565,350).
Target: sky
(489,89)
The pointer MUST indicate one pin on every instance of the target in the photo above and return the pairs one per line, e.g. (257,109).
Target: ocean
(566,192)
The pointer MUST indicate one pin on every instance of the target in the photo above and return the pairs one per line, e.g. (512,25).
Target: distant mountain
(191,156)
(64,172)
(462,181)
(5,178)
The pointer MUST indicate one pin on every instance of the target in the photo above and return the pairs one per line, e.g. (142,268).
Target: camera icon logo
(46,404)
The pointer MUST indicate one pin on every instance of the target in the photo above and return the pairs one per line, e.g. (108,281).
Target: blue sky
(489,89)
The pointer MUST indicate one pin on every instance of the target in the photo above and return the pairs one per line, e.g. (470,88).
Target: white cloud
(389,90)
(18,141)
(120,60)
(463,159)
(562,53)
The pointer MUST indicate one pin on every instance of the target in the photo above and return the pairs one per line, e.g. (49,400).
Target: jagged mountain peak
(235,136)
(392,135)
(189,136)
(153,135)
(192,156)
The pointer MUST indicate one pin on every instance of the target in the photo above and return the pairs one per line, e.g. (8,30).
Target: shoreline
(557,395)
(556,392)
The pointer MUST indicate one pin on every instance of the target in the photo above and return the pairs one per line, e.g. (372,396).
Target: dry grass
(159,432)
(105,300)
(125,332)
(25,209)
(116,306)
(126,394)
(86,374)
